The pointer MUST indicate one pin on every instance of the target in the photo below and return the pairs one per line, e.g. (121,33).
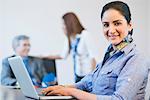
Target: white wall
(148,26)
(148,85)
(140,22)
(41,20)
(1,30)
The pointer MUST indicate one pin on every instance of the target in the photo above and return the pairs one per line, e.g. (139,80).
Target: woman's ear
(130,26)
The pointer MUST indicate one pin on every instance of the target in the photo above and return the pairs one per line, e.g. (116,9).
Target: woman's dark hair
(120,6)
(73,25)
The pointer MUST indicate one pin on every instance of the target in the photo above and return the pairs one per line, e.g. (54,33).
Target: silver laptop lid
(25,81)
(23,77)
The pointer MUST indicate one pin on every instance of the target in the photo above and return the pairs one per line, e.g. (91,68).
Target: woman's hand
(69,91)
(63,91)
(49,89)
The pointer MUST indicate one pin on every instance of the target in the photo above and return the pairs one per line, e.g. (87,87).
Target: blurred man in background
(34,65)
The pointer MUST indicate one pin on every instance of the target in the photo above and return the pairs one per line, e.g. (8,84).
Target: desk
(11,94)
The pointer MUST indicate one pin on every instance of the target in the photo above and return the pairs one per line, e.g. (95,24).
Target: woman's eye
(105,25)
(117,24)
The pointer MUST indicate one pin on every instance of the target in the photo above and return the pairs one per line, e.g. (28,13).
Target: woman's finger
(51,88)
(55,92)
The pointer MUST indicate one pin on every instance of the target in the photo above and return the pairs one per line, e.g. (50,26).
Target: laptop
(25,81)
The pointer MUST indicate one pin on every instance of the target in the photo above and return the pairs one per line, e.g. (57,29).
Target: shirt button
(129,79)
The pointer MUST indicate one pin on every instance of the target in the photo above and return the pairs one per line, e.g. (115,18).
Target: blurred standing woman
(123,73)
(79,45)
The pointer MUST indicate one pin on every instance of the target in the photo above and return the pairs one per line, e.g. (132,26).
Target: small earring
(129,38)
(130,32)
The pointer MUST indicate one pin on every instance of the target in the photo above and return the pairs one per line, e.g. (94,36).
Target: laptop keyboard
(38,90)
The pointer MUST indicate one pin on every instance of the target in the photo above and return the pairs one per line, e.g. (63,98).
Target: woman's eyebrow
(119,20)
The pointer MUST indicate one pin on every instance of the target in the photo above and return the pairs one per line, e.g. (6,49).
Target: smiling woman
(123,73)
(116,28)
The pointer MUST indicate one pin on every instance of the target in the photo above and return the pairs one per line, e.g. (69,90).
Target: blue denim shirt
(122,77)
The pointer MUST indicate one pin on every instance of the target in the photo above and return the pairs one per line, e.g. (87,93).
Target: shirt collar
(25,58)
(125,49)
(128,48)
(78,35)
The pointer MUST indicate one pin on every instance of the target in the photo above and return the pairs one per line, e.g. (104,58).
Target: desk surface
(11,94)
(8,93)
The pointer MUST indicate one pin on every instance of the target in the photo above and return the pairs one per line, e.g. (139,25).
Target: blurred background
(41,21)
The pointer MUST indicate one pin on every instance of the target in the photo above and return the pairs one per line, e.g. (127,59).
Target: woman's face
(115,26)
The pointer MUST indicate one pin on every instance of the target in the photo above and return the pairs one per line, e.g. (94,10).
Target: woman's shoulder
(140,59)
(85,34)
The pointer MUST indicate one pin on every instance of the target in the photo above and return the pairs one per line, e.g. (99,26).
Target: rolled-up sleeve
(86,83)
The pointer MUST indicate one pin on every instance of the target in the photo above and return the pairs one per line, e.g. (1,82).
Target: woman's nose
(112,29)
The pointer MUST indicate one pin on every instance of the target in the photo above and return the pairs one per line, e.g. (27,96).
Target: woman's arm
(81,95)
(53,57)
(93,62)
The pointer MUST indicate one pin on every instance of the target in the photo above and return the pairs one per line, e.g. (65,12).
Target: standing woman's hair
(73,25)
